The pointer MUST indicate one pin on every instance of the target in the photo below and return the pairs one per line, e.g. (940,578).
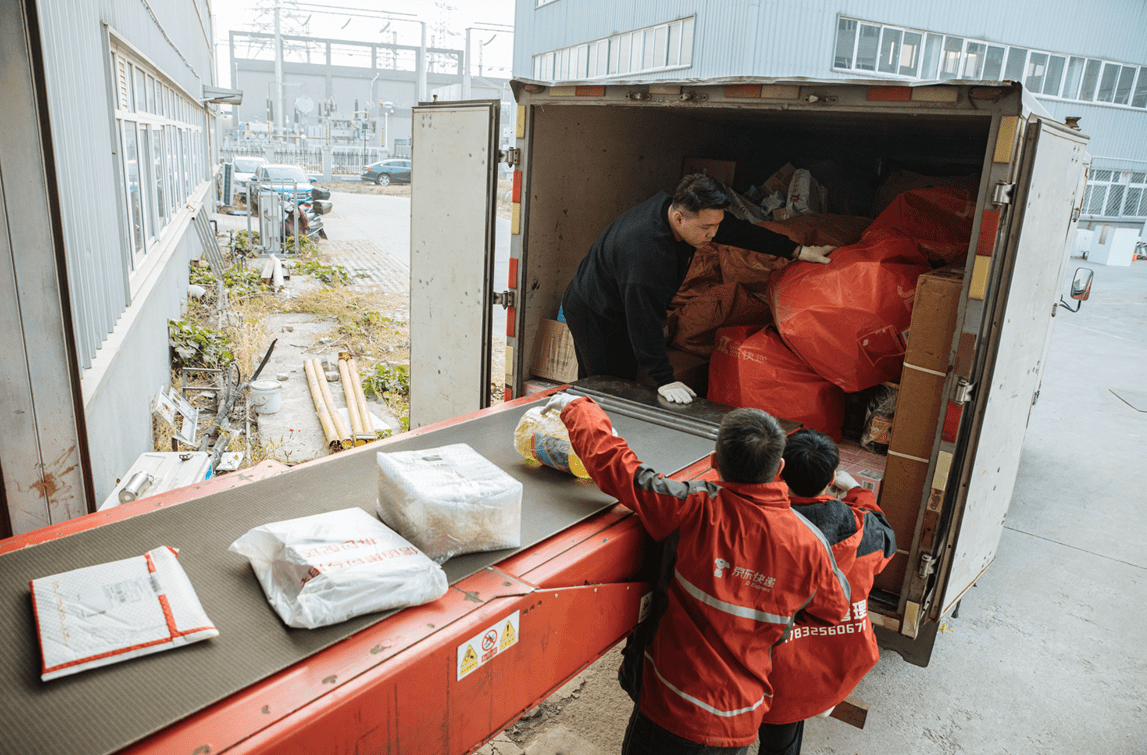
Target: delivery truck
(585,153)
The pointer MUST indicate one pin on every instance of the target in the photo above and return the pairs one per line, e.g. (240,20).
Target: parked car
(387,172)
(285,179)
(244,167)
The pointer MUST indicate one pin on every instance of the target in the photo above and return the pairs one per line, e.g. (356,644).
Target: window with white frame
(896,51)
(1116,193)
(159,132)
(655,48)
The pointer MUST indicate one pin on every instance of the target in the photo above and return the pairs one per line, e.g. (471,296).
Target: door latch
(511,156)
(927,565)
(963,392)
(1002,193)
(505,298)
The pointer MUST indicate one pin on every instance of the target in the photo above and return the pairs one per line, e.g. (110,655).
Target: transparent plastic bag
(326,568)
(449,500)
(542,437)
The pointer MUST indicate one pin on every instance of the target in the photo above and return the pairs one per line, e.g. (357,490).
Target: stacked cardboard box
(918,410)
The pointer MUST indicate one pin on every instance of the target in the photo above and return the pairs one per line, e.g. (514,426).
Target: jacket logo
(722,565)
(755,579)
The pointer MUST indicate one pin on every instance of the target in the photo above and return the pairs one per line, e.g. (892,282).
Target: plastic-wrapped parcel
(107,613)
(326,568)
(449,500)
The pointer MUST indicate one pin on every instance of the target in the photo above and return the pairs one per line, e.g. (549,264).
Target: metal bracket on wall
(505,298)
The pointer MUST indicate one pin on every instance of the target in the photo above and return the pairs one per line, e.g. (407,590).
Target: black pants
(643,737)
(602,345)
(780,739)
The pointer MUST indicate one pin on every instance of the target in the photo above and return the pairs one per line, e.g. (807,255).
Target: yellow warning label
(509,637)
(469,661)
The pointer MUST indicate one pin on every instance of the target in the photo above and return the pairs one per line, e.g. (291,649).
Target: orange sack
(752,367)
(938,219)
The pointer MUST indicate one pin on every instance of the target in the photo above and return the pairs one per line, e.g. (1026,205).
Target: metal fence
(344,160)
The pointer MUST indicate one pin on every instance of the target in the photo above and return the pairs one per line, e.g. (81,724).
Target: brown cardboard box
(866,467)
(722,170)
(780,180)
(554,356)
(918,405)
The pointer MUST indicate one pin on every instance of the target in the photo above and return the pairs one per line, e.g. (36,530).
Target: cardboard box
(722,170)
(866,467)
(780,180)
(554,356)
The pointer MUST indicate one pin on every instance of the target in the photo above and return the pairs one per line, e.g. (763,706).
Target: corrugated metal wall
(79,88)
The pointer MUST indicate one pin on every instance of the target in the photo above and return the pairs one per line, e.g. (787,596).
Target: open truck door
(1026,280)
(453,184)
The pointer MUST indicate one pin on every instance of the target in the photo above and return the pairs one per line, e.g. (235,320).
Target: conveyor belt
(106,709)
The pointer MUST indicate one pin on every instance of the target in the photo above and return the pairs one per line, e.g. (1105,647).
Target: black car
(387,172)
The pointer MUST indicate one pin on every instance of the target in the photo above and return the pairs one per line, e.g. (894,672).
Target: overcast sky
(334,19)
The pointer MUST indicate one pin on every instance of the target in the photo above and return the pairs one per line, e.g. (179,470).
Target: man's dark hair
(749,446)
(700,191)
(811,459)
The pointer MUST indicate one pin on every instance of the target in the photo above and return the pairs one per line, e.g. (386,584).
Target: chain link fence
(344,160)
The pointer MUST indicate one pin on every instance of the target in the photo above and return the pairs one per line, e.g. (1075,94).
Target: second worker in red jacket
(746,565)
(818,665)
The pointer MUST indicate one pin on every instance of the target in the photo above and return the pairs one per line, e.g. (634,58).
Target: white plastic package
(107,613)
(322,569)
(449,500)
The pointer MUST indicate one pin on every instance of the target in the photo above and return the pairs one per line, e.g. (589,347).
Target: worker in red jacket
(745,566)
(817,665)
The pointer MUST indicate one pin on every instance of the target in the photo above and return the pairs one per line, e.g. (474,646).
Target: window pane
(591,65)
(130,83)
(890,50)
(973,61)
(1138,178)
(1123,88)
(845,41)
(1131,206)
(582,60)
(1090,79)
(910,54)
(867,48)
(1054,74)
(647,62)
(687,42)
(674,44)
(1071,80)
(1095,202)
(1101,175)
(1114,199)
(931,59)
(994,64)
(1014,71)
(538,67)
(1107,83)
(623,53)
(950,60)
(661,46)
(158,147)
(637,55)
(146,169)
(615,55)
(1143,204)
(1037,66)
(151,94)
(169,163)
(134,190)
(140,94)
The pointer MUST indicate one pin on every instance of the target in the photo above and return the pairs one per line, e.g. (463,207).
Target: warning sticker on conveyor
(486,645)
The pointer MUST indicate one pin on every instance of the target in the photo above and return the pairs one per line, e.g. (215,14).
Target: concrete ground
(1049,653)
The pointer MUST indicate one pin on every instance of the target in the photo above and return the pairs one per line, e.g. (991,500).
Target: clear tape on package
(449,500)
(324,569)
(108,613)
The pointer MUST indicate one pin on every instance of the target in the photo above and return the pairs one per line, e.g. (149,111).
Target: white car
(245,167)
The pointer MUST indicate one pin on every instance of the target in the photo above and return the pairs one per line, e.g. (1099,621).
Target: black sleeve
(644,315)
(741,233)
(878,536)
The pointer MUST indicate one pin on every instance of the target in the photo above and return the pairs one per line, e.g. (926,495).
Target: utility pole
(278,70)
(422,65)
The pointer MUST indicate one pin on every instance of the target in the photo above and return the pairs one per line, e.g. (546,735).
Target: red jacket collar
(762,493)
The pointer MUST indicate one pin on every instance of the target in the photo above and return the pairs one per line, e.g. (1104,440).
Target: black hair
(811,459)
(749,446)
(700,191)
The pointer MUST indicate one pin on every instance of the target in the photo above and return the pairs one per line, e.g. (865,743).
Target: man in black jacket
(615,305)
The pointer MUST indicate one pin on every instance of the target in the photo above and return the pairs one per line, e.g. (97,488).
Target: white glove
(844,481)
(677,393)
(815,254)
(558,402)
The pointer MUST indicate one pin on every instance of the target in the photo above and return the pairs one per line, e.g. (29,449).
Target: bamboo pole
(324,416)
(352,411)
(367,421)
(329,400)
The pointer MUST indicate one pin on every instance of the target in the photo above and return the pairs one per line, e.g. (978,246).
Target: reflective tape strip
(1006,139)
(703,706)
(515,219)
(978,288)
(908,456)
(732,609)
(925,369)
(844,586)
(935,94)
(520,125)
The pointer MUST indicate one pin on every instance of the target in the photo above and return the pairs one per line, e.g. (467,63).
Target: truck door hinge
(1002,193)
(1074,214)
(963,392)
(511,156)
(927,565)
(505,298)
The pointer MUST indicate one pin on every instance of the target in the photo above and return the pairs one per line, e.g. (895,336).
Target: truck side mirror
(1080,288)
(1081,284)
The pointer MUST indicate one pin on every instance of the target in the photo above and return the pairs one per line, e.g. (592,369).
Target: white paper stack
(111,612)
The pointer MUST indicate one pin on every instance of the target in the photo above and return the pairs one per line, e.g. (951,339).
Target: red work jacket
(746,564)
(818,665)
